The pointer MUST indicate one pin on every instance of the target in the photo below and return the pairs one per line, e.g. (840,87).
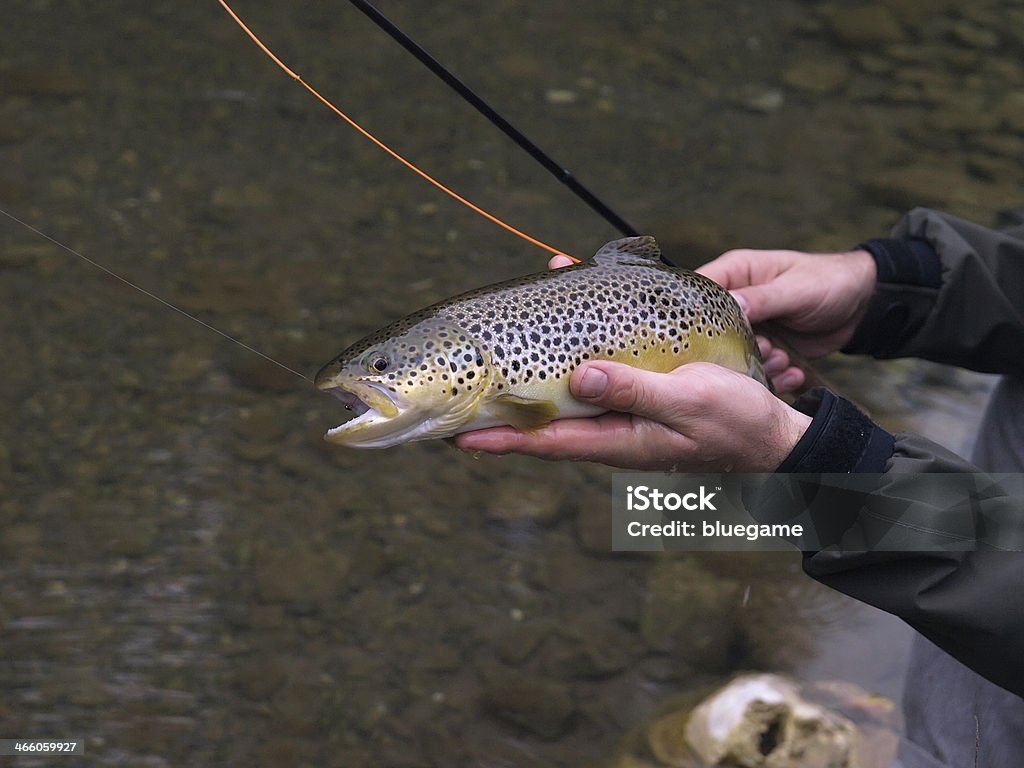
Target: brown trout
(503,354)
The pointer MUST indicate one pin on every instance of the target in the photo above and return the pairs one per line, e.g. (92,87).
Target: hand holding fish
(700,417)
(813,301)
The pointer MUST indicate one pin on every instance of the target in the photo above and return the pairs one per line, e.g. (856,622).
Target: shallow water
(190,576)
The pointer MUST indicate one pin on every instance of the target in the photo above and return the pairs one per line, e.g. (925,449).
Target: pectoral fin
(522,413)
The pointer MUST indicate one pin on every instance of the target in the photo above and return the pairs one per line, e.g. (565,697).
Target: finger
(731,269)
(776,362)
(659,397)
(765,301)
(615,439)
(559,261)
(790,380)
(577,439)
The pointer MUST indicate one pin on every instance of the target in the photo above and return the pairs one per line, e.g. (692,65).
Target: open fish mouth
(372,405)
(350,400)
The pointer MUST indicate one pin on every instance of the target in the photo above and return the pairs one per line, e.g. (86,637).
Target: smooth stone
(593,523)
(586,657)
(541,707)
(185,365)
(515,503)
(1003,145)
(516,644)
(1011,111)
(560,96)
(299,575)
(766,101)
(864,26)
(937,186)
(689,613)
(260,424)
(817,76)
(974,35)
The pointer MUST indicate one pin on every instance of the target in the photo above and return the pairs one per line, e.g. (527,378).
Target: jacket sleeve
(948,291)
(969,603)
(951,292)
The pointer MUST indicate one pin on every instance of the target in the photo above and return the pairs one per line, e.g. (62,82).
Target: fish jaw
(382,420)
(379,421)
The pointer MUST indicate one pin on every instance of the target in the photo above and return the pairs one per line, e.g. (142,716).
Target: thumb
(620,387)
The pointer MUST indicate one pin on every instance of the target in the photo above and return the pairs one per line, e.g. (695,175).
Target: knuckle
(626,393)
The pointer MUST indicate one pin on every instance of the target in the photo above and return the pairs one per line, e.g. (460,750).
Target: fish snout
(326,377)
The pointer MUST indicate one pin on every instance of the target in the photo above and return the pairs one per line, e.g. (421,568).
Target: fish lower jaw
(340,433)
(371,430)
(376,412)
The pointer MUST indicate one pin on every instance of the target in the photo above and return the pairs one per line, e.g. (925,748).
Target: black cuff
(909,261)
(909,280)
(840,438)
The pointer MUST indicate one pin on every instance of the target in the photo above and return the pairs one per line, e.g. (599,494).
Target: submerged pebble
(542,707)
(560,96)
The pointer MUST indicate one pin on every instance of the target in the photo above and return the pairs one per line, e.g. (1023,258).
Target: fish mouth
(350,400)
(375,411)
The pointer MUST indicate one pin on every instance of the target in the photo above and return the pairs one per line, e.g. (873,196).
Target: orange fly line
(383,146)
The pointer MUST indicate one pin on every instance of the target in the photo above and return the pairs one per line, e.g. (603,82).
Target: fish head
(413,380)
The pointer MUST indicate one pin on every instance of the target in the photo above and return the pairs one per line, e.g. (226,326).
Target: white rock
(761,721)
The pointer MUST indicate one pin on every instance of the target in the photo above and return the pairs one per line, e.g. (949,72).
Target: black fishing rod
(562,174)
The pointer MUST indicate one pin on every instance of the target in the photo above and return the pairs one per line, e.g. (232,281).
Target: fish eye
(379,363)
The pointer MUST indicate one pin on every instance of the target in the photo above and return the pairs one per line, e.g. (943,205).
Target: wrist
(863,274)
(792,425)
(840,438)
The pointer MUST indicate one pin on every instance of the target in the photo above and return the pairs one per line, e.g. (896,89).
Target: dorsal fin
(643,248)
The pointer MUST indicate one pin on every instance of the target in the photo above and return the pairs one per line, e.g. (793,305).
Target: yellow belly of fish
(532,405)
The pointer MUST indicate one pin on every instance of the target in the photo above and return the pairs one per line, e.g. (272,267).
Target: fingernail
(593,383)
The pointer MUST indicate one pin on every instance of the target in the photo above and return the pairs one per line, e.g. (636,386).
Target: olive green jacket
(952,292)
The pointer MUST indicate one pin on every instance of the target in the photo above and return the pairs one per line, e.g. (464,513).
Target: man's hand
(698,418)
(814,302)
(702,417)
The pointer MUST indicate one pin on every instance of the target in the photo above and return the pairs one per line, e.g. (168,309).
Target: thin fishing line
(423,174)
(449,78)
(151,295)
